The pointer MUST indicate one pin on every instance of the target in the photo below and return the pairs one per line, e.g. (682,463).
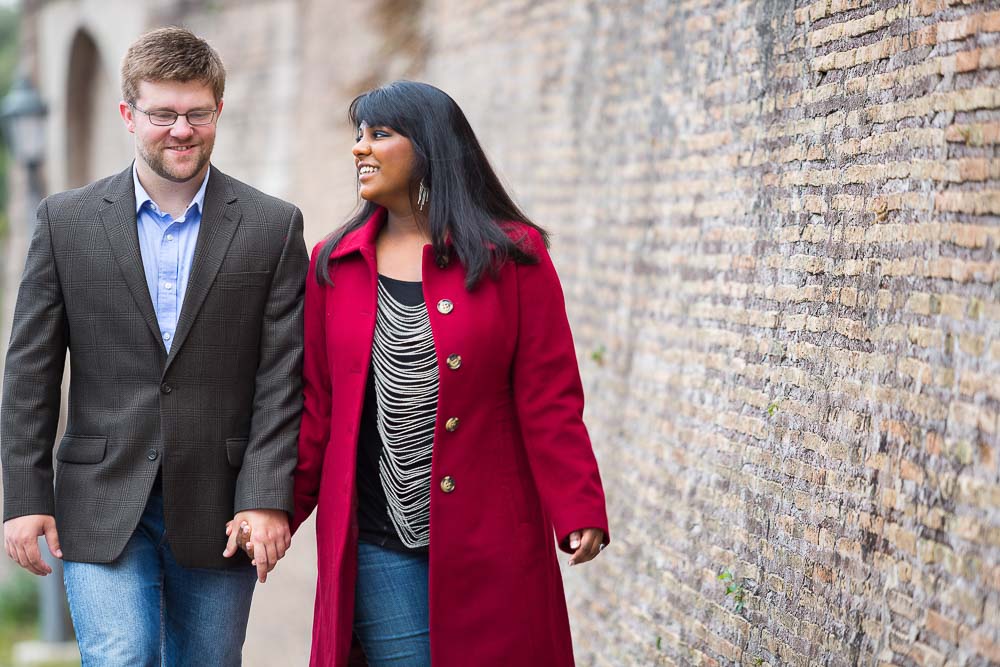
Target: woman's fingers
(588,545)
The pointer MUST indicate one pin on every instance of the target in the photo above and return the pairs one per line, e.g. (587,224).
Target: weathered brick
(782,287)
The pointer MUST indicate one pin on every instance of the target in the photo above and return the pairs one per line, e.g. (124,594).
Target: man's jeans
(144,609)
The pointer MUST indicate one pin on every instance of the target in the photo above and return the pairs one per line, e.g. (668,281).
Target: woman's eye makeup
(378,134)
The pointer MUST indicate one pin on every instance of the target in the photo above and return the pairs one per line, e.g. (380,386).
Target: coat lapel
(119,221)
(219,221)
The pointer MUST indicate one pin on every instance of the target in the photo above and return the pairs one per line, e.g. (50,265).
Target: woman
(435,323)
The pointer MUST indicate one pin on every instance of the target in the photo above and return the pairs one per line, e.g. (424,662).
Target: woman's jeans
(390,607)
(143,609)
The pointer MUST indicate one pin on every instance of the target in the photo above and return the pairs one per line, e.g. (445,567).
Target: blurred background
(777,227)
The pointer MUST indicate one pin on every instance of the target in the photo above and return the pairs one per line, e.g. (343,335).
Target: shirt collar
(141,196)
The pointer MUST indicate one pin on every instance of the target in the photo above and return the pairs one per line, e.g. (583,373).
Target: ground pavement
(281,616)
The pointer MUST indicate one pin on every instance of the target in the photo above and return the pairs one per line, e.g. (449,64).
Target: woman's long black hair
(467,205)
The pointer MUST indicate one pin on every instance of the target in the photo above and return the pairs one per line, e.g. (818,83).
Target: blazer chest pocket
(235,448)
(82,448)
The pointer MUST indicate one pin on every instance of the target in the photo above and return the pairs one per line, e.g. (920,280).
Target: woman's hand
(587,542)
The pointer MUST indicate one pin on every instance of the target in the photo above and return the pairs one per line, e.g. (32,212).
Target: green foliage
(9,24)
(598,355)
(18,611)
(772,408)
(19,599)
(734,588)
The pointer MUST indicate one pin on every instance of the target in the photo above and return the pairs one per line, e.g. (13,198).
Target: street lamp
(23,114)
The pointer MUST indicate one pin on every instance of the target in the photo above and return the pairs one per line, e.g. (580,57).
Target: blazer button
(451,425)
(445,306)
(447,484)
(166,388)
(152,454)
(454,361)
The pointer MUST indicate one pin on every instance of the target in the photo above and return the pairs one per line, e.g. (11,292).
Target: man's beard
(159,166)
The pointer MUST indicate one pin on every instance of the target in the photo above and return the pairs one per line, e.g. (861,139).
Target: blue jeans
(144,609)
(391,618)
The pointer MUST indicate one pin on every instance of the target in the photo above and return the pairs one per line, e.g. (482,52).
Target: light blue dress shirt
(167,247)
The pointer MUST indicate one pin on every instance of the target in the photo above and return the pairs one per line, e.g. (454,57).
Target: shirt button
(170,237)
(168,285)
(166,335)
(152,454)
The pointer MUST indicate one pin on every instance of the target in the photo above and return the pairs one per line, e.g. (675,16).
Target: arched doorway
(94,137)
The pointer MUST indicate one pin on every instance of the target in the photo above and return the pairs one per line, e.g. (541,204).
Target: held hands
(20,539)
(587,542)
(269,538)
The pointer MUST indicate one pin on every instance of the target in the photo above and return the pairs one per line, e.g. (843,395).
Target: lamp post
(23,114)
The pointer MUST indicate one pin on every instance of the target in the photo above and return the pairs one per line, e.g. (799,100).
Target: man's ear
(128,117)
(218,110)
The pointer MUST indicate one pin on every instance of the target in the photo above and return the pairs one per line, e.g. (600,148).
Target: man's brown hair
(171,54)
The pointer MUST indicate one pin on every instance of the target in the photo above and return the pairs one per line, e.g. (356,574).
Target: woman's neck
(407,226)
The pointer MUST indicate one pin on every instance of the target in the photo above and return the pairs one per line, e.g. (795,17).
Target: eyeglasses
(168,118)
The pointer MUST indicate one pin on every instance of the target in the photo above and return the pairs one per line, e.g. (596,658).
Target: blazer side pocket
(82,448)
(235,448)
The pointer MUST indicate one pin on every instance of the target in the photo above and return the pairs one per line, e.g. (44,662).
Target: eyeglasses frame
(149,115)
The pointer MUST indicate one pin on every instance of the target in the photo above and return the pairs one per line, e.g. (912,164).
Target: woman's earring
(423,194)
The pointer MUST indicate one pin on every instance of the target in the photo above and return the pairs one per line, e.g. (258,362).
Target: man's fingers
(52,538)
(30,558)
(280,547)
(35,557)
(272,555)
(260,560)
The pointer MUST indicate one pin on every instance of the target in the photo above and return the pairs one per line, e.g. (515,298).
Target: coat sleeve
(548,396)
(29,414)
(265,480)
(315,430)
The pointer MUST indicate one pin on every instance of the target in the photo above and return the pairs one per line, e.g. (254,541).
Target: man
(178,292)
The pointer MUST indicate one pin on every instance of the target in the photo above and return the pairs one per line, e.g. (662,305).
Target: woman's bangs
(376,108)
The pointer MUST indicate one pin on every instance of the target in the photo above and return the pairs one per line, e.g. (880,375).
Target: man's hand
(270,537)
(20,539)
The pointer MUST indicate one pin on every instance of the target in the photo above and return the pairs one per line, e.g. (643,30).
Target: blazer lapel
(119,222)
(219,221)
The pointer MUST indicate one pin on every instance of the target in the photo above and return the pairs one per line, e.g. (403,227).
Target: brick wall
(777,227)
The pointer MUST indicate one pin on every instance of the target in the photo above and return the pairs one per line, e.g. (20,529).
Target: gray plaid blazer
(219,414)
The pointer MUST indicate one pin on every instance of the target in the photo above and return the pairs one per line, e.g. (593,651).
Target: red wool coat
(512,461)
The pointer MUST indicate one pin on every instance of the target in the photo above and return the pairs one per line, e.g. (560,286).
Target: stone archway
(93,133)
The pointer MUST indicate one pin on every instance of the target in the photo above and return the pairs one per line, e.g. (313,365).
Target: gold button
(451,424)
(447,484)
(454,361)
(445,306)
